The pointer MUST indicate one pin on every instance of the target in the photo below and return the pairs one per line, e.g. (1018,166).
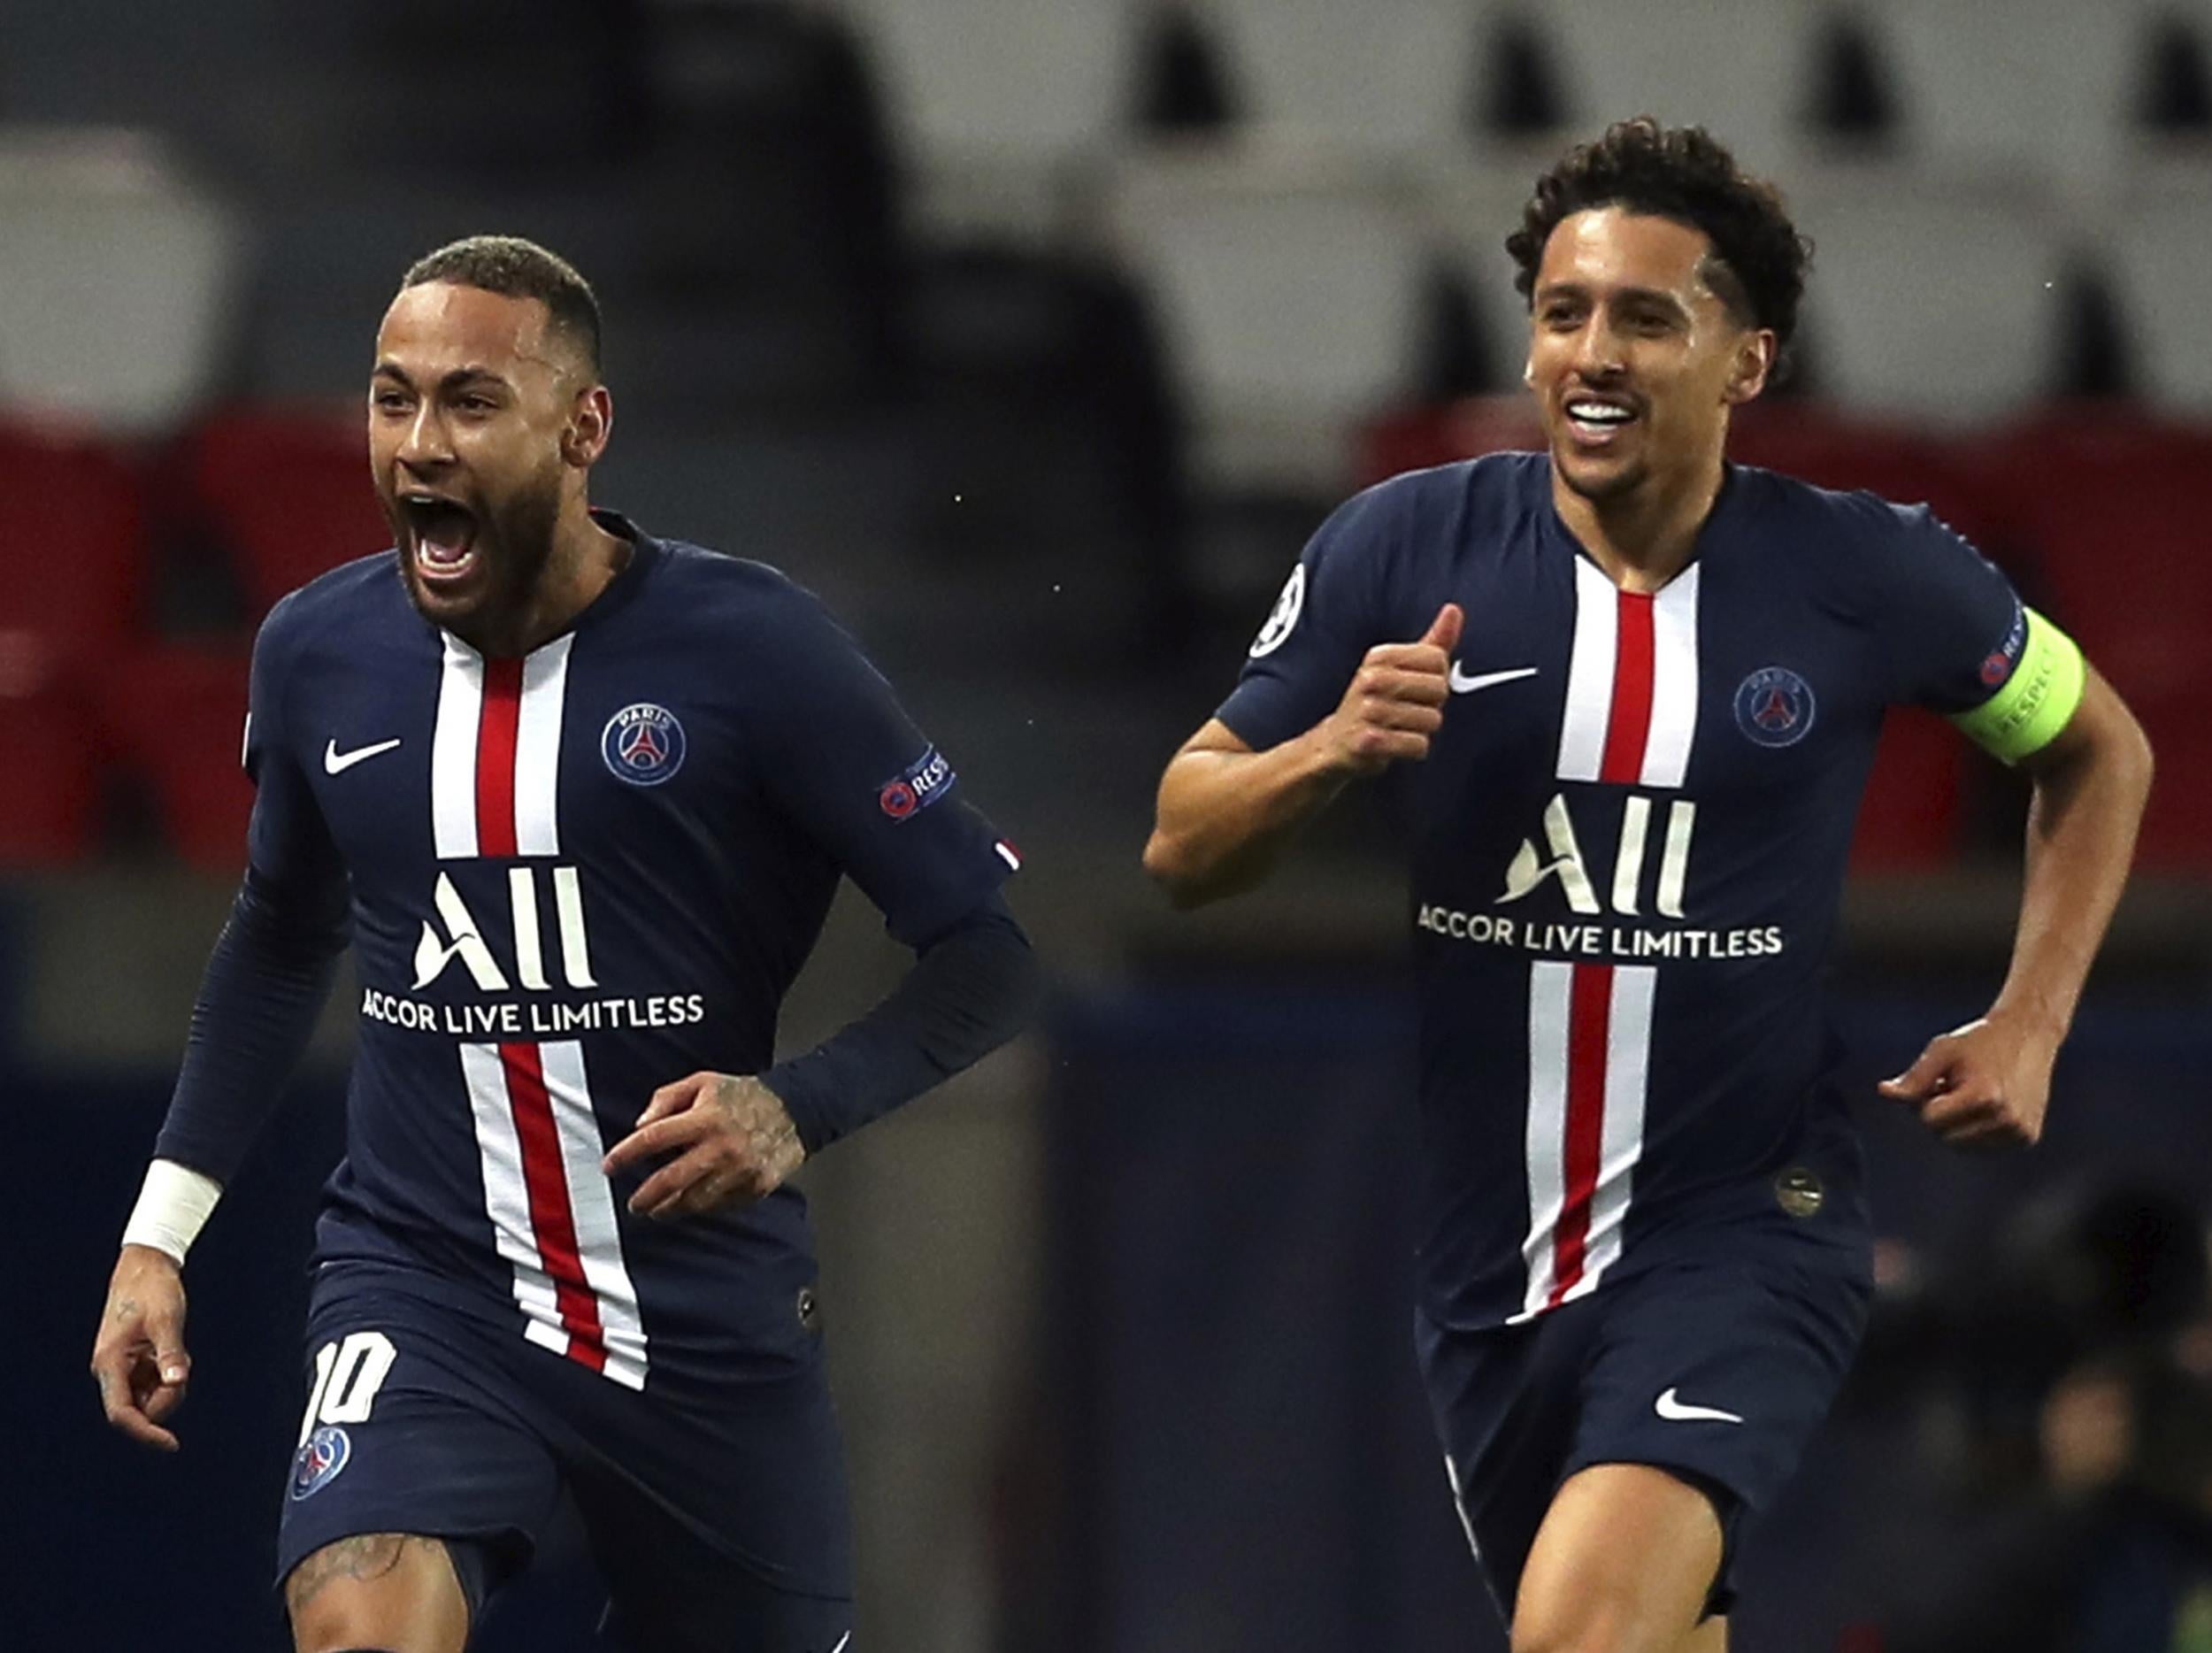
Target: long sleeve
(271,966)
(970,988)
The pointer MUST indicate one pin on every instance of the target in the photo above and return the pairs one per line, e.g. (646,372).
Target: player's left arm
(1987,1084)
(734,1138)
(847,766)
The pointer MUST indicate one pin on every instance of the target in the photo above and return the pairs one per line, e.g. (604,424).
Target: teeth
(1598,413)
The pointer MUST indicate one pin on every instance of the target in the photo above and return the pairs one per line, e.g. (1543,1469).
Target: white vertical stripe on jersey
(1589,674)
(1673,681)
(538,748)
(507,1197)
(453,752)
(1550,1000)
(568,907)
(522,898)
(1621,1144)
(591,1209)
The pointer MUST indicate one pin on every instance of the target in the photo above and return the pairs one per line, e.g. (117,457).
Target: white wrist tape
(171,1208)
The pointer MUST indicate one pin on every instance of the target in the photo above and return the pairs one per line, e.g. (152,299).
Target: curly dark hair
(1684,173)
(515,268)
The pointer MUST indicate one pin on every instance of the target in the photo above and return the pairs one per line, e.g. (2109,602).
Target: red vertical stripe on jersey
(1630,723)
(551,1217)
(1588,1012)
(495,758)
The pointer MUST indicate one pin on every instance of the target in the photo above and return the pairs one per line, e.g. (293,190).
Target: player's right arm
(1225,812)
(1349,676)
(265,986)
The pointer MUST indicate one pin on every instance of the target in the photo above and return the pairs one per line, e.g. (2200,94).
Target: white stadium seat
(1288,281)
(1929,300)
(1385,75)
(2157,246)
(2043,87)
(1735,67)
(115,279)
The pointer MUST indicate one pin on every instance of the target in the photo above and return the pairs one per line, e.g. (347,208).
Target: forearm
(1224,816)
(2081,836)
(968,993)
(264,986)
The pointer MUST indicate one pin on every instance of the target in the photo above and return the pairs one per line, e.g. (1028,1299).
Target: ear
(590,423)
(1753,362)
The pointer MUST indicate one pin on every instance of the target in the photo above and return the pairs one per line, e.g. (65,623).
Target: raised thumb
(1443,631)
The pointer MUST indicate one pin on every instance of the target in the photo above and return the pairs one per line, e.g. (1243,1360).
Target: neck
(1645,537)
(585,559)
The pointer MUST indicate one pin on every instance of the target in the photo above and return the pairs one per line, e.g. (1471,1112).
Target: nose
(424,446)
(1597,352)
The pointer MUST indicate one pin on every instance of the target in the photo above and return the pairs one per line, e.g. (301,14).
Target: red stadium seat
(288,494)
(179,718)
(1910,819)
(72,529)
(2112,505)
(1413,439)
(73,533)
(1833,451)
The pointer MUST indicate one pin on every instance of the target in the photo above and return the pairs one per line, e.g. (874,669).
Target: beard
(512,542)
(1606,486)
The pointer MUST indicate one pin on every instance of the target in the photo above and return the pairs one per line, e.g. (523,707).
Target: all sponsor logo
(642,744)
(1774,707)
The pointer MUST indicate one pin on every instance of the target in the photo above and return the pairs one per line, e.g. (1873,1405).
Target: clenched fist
(1396,702)
(731,1138)
(1985,1085)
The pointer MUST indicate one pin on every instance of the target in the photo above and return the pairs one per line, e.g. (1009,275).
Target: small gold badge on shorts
(1798,1191)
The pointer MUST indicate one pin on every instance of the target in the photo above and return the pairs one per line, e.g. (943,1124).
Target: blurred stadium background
(1036,335)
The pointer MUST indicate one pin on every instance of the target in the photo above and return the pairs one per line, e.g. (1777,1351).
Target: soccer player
(1624,695)
(581,797)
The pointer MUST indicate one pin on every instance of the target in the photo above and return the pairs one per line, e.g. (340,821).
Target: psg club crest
(1774,706)
(321,1456)
(643,744)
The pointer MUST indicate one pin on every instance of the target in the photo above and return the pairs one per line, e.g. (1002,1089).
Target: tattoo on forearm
(369,1556)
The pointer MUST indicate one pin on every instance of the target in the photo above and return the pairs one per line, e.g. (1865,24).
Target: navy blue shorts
(1717,1372)
(718,1530)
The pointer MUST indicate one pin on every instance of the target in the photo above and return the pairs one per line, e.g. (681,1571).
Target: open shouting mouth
(442,535)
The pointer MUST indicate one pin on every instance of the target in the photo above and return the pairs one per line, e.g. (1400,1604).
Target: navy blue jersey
(575,878)
(1627,848)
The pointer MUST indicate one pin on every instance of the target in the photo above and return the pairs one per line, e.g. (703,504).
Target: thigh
(1718,1375)
(722,1529)
(1505,1407)
(1624,1562)
(401,1436)
(396,1591)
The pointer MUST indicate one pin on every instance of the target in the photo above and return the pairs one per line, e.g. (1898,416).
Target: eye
(478,404)
(388,401)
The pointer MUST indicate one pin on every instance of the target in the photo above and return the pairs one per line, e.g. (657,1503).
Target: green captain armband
(2027,714)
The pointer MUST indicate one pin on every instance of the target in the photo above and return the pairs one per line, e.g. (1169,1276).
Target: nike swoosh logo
(336,763)
(841,1641)
(1463,684)
(1676,1411)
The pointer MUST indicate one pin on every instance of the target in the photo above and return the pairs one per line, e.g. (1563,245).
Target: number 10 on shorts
(348,1374)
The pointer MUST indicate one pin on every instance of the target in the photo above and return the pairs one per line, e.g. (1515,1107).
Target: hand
(732,1139)
(138,1359)
(1395,701)
(1985,1085)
